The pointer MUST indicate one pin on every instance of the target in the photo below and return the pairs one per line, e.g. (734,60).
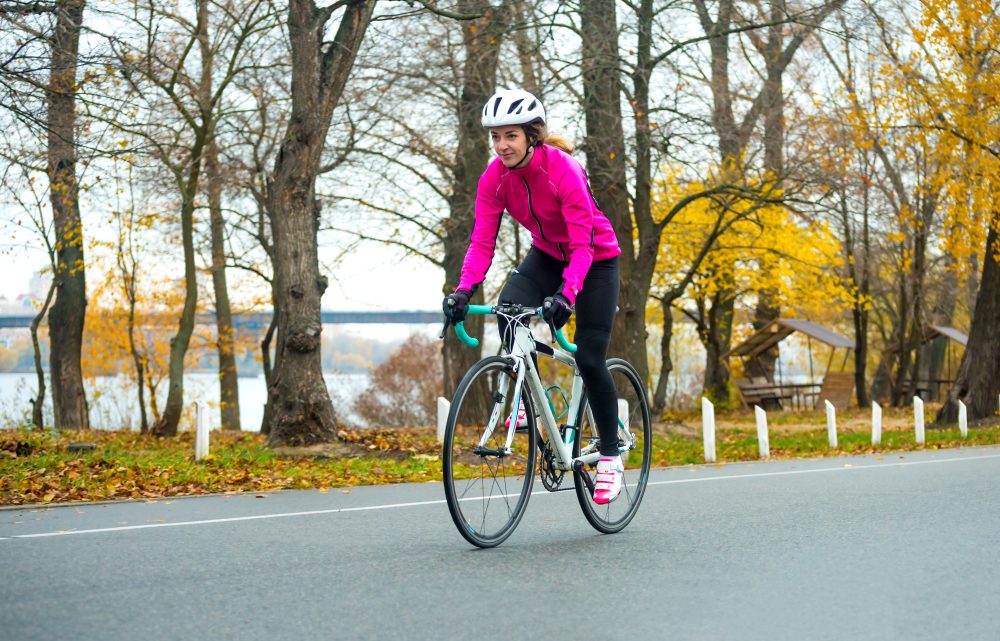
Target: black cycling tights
(537,277)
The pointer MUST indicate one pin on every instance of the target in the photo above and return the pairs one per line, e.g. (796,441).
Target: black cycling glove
(556,310)
(455,305)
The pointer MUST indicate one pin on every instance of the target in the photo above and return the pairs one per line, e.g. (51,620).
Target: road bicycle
(490,461)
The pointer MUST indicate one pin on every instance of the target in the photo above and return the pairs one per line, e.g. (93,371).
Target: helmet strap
(526,152)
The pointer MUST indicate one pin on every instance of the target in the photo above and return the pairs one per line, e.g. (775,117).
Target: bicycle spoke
(506,497)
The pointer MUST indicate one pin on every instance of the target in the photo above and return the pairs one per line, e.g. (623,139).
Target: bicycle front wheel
(635,441)
(487,486)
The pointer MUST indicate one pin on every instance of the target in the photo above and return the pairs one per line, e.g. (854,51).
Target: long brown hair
(537,133)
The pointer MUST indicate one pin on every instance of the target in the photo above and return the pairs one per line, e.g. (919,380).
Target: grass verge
(36,468)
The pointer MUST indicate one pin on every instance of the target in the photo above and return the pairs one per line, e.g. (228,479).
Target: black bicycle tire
(582,491)
(447,458)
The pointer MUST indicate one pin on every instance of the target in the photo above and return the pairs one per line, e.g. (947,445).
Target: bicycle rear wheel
(487,488)
(633,411)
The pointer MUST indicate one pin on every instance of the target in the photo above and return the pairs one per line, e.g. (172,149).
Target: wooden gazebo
(836,387)
(952,335)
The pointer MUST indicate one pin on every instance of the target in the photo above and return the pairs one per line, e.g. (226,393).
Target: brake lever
(552,332)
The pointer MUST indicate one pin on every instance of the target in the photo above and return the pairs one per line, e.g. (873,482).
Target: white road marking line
(255,517)
(846,467)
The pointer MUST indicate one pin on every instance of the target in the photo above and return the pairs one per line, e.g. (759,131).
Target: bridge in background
(258,321)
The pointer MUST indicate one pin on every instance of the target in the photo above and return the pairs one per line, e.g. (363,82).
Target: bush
(403,391)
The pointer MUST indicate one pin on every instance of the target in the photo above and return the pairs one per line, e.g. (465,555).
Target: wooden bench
(760,391)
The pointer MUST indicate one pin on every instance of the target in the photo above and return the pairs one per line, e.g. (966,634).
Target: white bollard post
(963,420)
(201,432)
(876,424)
(763,444)
(918,418)
(831,423)
(443,408)
(708,429)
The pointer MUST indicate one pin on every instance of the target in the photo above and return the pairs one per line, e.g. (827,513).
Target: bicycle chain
(551,477)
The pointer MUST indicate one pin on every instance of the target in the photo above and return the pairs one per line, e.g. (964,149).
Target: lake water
(114,403)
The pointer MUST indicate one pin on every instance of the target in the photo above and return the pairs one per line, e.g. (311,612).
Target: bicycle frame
(523,348)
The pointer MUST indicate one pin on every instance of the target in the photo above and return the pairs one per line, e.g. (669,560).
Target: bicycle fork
(498,399)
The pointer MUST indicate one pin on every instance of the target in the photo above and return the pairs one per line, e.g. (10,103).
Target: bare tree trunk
(127,268)
(482,39)
(170,419)
(666,363)
(767,310)
(154,405)
(861,282)
(527,53)
(140,371)
(38,403)
(912,327)
(265,352)
(643,262)
(66,318)
(732,139)
(716,341)
(229,397)
(768,307)
(605,148)
(299,410)
(172,411)
(978,380)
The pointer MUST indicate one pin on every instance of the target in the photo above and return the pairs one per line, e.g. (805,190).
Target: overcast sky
(374,278)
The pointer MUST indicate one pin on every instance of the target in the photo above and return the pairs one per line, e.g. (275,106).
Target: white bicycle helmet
(512,107)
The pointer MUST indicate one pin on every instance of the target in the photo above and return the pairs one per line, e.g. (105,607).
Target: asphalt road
(900,547)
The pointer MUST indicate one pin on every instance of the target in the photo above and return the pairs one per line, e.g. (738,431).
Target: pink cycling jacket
(551,198)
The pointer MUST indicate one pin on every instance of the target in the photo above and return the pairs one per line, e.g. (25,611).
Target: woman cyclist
(573,260)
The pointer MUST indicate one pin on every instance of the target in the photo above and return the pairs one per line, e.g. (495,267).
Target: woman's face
(510,143)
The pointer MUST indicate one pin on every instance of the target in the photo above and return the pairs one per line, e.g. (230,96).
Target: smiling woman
(572,266)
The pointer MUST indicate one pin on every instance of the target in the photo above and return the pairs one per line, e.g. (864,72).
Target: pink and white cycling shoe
(522,418)
(608,482)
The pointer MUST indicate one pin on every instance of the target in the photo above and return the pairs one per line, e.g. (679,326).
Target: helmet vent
(514,105)
(496,105)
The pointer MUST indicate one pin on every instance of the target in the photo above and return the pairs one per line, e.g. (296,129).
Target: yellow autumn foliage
(947,94)
(764,246)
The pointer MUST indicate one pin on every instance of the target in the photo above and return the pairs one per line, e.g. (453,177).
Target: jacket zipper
(531,210)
